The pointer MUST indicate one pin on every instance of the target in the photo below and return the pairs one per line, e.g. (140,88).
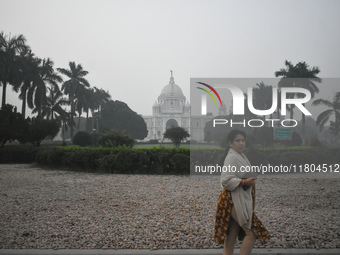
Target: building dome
(172,90)
(171,100)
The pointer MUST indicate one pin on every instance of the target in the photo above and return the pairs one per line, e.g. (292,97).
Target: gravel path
(60,209)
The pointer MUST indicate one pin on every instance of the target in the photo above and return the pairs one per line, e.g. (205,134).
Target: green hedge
(121,160)
(20,154)
(156,160)
(294,155)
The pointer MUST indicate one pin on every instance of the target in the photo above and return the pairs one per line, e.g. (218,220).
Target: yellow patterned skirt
(223,213)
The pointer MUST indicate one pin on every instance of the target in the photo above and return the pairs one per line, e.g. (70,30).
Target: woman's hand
(249,182)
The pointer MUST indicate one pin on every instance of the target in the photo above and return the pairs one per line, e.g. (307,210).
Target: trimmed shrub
(114,138)
(94,137)
(181,163)
(316,142)
(157,160)
(257,157)
(50,156)
(130,161)
(82,138)
(153,141)
(207,156)
(20,154)
(84,159)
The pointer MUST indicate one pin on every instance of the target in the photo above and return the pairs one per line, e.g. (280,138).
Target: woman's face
(238,144)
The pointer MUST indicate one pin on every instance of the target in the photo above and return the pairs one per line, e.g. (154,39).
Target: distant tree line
(59,95)
(298,76)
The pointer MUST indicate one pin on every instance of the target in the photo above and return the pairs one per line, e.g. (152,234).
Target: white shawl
(242,199)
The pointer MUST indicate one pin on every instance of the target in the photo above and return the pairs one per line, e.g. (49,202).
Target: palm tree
(81,101)
(66,121)
(29,73)
(70,87)
(300,76)
(10,47)
(101,98)
(37,94)
(262,95)
(54,102)
(89,100)
(323,117)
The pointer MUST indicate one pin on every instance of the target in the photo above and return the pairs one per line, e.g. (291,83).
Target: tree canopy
(118,115)
(176,135)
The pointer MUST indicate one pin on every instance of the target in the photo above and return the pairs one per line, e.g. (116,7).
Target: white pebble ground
(56,209)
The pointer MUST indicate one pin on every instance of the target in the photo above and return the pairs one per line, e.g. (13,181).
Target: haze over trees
(323,117)
(296,76)
(299,76)
(57,94)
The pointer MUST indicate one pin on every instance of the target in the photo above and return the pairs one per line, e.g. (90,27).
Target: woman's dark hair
(232,135)
(230,138)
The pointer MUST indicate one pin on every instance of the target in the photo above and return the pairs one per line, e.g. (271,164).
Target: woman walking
(235,215)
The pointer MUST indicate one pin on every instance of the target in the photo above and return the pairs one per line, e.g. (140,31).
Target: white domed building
(171,109)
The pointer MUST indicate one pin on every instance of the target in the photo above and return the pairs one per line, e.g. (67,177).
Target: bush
(316,142)
(130,161)
(153,141)
(114,138)
(40,129)
(296,140)
(52,157)
(181,163)
(176,135)
(82,138)
(94,137)
(21,154)
(13,125)
(157,160)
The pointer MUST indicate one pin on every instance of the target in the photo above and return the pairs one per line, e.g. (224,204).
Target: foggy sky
(128,47)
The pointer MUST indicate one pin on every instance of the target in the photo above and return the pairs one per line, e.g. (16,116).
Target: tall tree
(12,124)
(81,101)
(300,76)
(323,117)
(10,48)
(37,94)
(29,73)
(66,121)
(101,98)
(91,102)
(54,102)
(118,115)
(262,97)
(76,80)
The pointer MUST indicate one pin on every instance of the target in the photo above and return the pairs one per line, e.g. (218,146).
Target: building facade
(172,109)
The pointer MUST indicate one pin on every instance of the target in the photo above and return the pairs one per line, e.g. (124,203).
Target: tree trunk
(4,86)
(291,114)
(78,122)
(303,130)
(23,107)
(63,132)
(72,113)
(87,128)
